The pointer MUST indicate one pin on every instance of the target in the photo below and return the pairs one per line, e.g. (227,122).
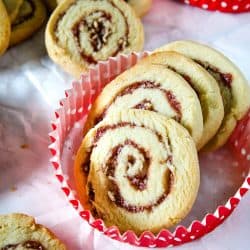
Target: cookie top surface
(20,232)
(13,7)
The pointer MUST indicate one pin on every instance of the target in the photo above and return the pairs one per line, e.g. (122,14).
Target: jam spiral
(137,161)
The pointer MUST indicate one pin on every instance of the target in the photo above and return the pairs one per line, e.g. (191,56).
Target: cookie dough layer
(139,169)
(233,86)
(81,33)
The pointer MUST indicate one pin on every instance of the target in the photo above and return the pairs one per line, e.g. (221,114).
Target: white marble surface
(30,87)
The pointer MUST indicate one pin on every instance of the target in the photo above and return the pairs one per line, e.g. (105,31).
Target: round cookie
(204,85)
(31,16)
(4,28)
(141,7)
(81,33)
(233,86)
(151,87)
(19,231)
(139,169)
(12,7)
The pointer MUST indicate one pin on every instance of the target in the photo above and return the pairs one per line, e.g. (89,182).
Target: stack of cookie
(137,167)
(81,33)
(19,19)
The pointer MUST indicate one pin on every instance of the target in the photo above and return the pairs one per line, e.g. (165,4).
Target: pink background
(30,87)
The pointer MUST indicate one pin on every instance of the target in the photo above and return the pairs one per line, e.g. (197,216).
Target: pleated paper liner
(225,174)
(230,6)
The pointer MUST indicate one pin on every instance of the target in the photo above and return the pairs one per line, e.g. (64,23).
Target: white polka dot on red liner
(235,6)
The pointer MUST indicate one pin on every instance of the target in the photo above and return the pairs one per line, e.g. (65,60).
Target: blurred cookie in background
(4,28)
(30,18)
(12,7)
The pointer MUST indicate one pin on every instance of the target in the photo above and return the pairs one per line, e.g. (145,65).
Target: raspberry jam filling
(138,179)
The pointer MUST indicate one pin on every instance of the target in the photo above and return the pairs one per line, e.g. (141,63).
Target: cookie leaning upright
(4,28)
(140,171)
(30,18)
(150,87)
(81,33)
(19,231)
(233,85)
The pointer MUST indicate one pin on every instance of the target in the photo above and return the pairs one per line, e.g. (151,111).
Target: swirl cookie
(233,86)
(20,232)
(31,16)
(12,7)
(204,85)
(154,88)
(139,169)
(80,33)
(4,28)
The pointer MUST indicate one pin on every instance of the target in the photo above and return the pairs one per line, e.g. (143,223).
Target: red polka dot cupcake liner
(230,6)
(231,162)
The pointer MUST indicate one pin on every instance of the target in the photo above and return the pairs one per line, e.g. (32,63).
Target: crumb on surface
(24,146)
(13,189)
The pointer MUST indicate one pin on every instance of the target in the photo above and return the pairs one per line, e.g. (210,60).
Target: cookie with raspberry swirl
(150,87)
(234,89)
(139,170)
(4,28)
(20,232)
(141,7)
(81,33)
